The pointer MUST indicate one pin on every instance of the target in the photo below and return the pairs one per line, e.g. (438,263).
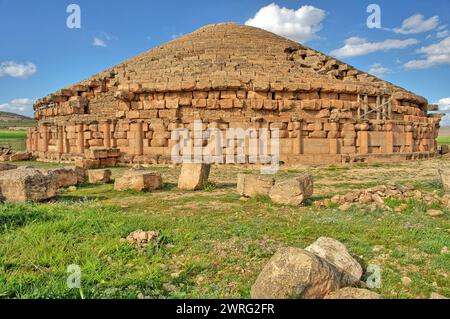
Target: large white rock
(337,254)
(353,293)
(294,273)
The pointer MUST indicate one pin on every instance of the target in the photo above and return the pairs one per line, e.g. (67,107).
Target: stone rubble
(323,270)
(193,176)
(139,180)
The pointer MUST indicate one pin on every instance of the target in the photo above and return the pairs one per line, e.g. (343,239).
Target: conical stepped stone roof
(232,56)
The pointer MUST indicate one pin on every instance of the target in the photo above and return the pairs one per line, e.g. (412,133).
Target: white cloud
(97,42)
(442,27)
(378,70)
(17,70)
(17,106)
(444,104)
(356,46)
(435,54)
(300,25)
(442,34)
(417,24)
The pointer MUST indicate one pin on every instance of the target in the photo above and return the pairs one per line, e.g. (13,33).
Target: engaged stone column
(36,141)
(107,134)
(389,138)
(138,143)
(80,139)
(363,138)
(409,143)
(297,148)
(60,143)
(44,139)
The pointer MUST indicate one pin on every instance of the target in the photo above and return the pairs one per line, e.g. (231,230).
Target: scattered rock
(437,296)
(7,167)
(435,213)
(345,206)
(406,281)
(138,180)
(445,177)
(293,191)
(142,238)
(20,156)
(294,273)
(169,287)
(337,254)
(99,176)
(23,185)
(353,293)
(445,250)
(254,185)
(193,176)
(64,177)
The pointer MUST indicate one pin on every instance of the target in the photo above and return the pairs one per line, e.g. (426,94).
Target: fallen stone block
(294,273)
(445,178)
(254,185)
(193,176)
(7,167)
(28,184)
(293,192)
(337,254)
(64,177)
(353,293)
(138,180)
(20,156)
(99,176)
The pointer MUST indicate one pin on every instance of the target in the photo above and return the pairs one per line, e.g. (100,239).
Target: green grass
(13,139)
(443,140)
(215,243)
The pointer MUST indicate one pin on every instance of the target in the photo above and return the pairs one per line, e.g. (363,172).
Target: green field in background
(443,140)
(13,139)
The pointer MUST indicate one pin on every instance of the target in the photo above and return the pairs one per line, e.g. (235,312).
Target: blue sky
(39,54)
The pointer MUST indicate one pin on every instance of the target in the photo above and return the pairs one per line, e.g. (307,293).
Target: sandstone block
(20,156)
(6,167)
(337,254)
(293,192)
(193,176)
(294,273)
(64,177)
(254,185)
(445,177)
(99,176)
(23,185)
(353,293)
(138,180)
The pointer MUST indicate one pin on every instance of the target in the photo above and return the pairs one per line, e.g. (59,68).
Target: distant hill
(12,120)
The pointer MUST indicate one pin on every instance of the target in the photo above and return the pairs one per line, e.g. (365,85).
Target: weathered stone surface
(142,238)
(99,176)
(193,176)
(210,75)
(254,185)
(138,180)
(294,273)
(28,184)
(7,167)
(20,156)
(293,191)
(445,177)
(353,293)
(337,254)
(64,177)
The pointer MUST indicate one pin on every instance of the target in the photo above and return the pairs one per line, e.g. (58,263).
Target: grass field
(214,243)
(14,139)
(443,140)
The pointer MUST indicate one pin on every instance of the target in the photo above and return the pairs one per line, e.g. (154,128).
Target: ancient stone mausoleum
(233,76)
